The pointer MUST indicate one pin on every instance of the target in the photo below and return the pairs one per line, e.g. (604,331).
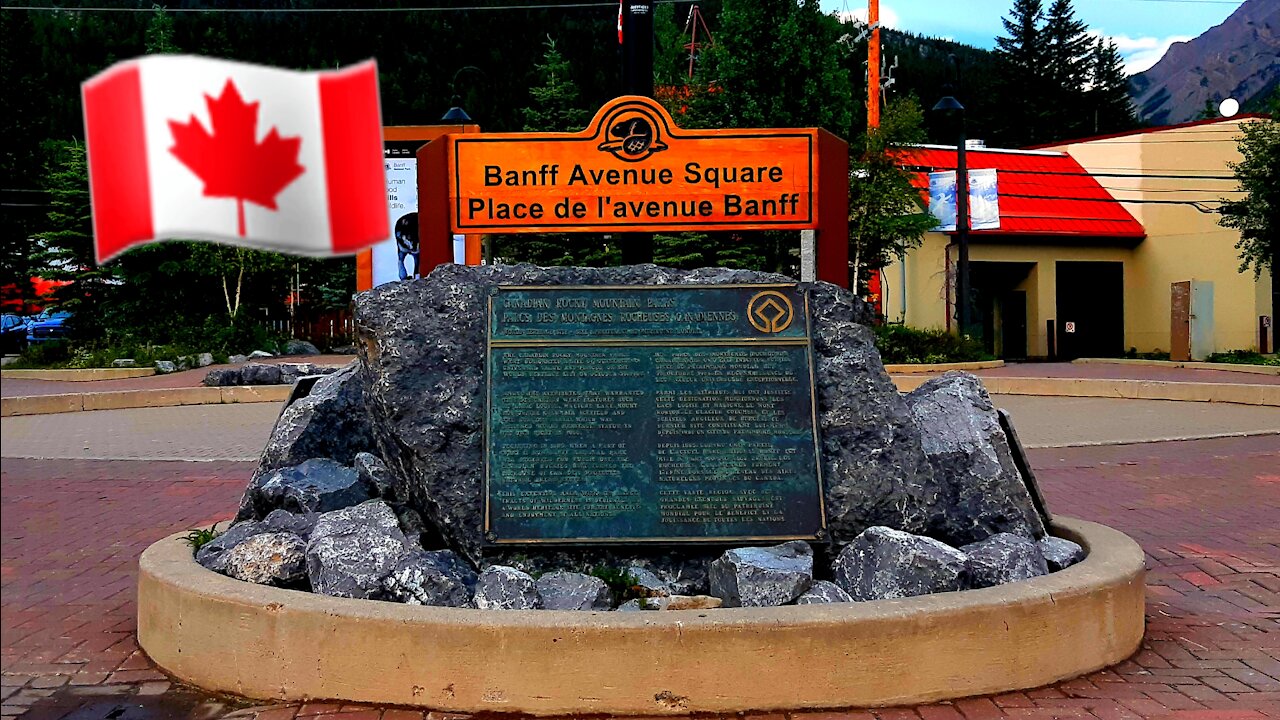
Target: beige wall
(1182,244)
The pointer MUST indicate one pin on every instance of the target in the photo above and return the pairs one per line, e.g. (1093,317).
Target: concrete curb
(912,368)
(79,375)
(120,399)
(1222,367)
(262,642)
(1239,393)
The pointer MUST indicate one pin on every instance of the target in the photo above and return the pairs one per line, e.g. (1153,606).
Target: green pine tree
(1108,95)
(1022,76)
(1068,52)
(556,107)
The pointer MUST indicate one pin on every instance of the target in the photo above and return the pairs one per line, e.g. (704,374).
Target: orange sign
(633,169)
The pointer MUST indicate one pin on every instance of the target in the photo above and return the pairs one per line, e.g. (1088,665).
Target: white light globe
(1229,107)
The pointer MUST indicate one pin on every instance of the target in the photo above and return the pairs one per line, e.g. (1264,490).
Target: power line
(535,6)
(1066,173)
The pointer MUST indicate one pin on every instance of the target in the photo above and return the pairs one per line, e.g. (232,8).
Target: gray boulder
(237,359)
(647,583)
(300,347)
(423,343)
(124,363)
(823,592)
(439,578)
(258,355)
(223,377)
(1003,558)
(261,374)
(1059,553)
(183,362)
(316,485)
(204,359)
(353,550)
(164,367)
(285,521)
(885,563)
(573,591)
(983,491)
(274,558)
(763,576)
(501,587)
(213,554)
(374,474)
(331,422)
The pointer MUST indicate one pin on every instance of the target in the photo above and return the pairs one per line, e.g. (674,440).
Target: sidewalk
(1128,372)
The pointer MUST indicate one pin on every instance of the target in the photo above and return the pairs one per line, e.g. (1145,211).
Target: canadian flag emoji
(204,149)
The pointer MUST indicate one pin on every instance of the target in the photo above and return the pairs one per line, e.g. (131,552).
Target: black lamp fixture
(456,115)
(949,106)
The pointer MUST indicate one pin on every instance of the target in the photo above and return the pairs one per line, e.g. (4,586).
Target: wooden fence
(326,330)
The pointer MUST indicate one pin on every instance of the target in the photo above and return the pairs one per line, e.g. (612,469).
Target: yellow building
(1105,244)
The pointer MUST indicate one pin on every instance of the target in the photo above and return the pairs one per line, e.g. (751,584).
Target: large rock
(1003,558)
(316,485)
(274,558)
(260,374)
(884,563)
(1059,553)
(763,576)
(223,377)
(501,587)
(330,422)
(438,578)
(823,592)
(984,493)
(213,554)
(204,359)
(237,358)
(164,367)
(353,550)
(423,343)
(300,347)
(573,591)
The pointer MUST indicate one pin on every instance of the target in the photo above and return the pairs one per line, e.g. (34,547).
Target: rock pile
(372,485)
(265,374)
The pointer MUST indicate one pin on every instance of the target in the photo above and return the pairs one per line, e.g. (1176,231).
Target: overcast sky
(1143,29)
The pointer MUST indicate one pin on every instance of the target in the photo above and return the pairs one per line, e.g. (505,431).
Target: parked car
(48,325)
(13,333)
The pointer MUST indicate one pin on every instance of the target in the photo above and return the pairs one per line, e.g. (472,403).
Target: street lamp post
(950,106)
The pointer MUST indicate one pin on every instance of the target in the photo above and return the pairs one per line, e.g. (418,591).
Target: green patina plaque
(650,414)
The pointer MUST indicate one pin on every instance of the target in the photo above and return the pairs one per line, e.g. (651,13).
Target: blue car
(48,325)
(13,333)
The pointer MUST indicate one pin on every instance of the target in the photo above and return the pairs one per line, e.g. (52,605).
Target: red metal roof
(1041,193)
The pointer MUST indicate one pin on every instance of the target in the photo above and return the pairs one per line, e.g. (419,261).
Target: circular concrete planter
(261,642)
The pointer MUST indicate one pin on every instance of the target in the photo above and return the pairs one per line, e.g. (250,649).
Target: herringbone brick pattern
(1206,512)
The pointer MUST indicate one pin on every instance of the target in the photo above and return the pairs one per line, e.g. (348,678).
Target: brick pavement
(1205,512)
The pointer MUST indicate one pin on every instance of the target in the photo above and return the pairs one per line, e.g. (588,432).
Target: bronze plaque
(650,414)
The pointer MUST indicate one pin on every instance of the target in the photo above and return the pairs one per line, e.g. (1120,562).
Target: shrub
(1243,357)
(902,344)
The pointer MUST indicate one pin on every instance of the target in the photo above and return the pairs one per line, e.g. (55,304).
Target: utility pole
(873,65)
(635,32)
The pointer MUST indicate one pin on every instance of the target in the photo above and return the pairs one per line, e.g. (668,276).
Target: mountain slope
(1239,59)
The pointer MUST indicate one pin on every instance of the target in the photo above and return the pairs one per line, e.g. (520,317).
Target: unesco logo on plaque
(770,312)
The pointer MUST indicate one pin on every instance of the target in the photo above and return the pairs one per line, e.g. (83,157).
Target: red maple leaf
(230,160)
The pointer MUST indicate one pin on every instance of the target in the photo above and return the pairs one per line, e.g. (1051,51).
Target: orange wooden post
(435,240)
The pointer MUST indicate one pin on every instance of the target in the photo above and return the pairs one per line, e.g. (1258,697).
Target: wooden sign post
(633,170)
